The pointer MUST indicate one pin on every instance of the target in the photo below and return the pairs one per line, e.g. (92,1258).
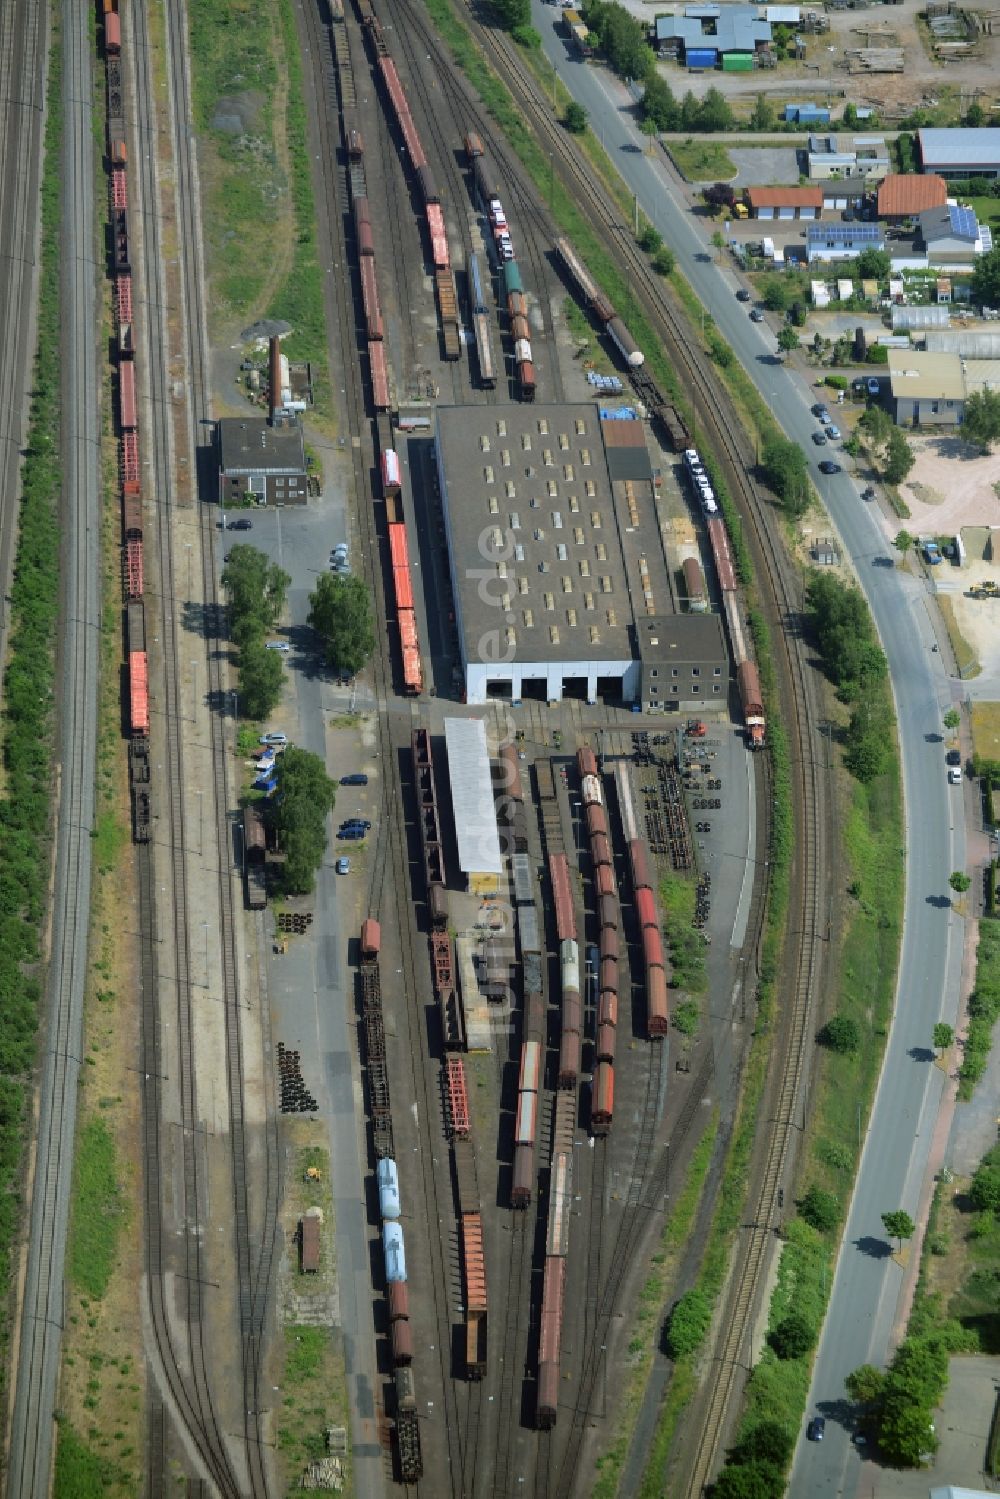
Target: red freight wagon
(586,761)
(401,1336)
(572,1011)
(399,1300)
(524,1173)
(130,462)
(473,1263)
(123,298)
(603,1107)
(407,629)
(609,943)
(659,1007)
(640,865)
(526,380)
(119,188)
(517,304)
(369,298)
(526,1119)
(607,911)
(398,550)
(112,33)
(722,555)
(609,973)
(439,235)
(607,1007)
(413,672)
(534,1017)
(132,515)
(380,376)
(600,849)
(126,395)
(456,1094)
(133,570)
(560,1203)
(553,1283)
(531,1056)
(604,880)
(511,773)
(473,146)
(520,328)
(402,587)
(138,687)
(652,947)
(565,917)
(605,1045)
(371,939)
(366,239)
(645,905)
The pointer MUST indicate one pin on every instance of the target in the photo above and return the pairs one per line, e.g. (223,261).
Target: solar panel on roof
(963,220)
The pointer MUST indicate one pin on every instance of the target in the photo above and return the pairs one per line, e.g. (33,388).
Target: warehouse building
(260,463)
(471,781)
(559,580)
(960,152)
(928,389)
(784,202)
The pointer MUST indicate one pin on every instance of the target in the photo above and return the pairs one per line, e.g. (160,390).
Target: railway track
(428,1189)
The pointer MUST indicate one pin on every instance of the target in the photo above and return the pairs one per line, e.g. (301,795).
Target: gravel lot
(772,166)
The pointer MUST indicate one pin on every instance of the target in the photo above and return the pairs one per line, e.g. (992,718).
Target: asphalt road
(867,1280)
(43,1309)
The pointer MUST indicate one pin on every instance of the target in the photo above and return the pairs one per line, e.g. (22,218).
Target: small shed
(824,553)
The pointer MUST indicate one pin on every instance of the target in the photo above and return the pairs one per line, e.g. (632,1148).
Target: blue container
(701,57)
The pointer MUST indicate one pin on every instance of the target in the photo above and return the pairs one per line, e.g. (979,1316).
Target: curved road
(867,1282)
(42,1310)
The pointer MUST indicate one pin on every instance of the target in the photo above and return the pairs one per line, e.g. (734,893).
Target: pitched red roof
(900,194)
(785,197)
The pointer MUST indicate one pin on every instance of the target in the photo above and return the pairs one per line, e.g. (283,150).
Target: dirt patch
(951,485)
(238,114)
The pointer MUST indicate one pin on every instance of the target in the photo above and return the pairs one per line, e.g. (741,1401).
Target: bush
(841,1034)
(575,118)
(793,1337)
(688,1323)
(820,1209)
(836,382)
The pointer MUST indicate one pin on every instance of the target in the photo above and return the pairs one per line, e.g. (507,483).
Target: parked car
(819,438)
(242,524)
(953,757)
(833,432)
(275,737)
(756,316)
(351,835)
(358,778)
(816,1428)
(343,865)
(742,295)
(873,387)
(356,822)
(277,645)
(820,412)
(954,776)
(829,467)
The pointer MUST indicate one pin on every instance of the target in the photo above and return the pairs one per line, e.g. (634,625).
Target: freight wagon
(369,299)
(254,851)
(411,1463)
(484,350)
(379,376)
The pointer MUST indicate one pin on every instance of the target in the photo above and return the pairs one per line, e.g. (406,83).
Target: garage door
(808,213)
(766,213)
(837,203)
(786,213)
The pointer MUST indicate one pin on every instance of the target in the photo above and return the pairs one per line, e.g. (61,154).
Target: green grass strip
(80,1472)
(27,724)
(97,1210)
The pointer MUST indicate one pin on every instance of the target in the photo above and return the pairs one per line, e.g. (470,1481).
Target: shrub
(793,1337)
(820,1209)
(688,1323)
(841,1034)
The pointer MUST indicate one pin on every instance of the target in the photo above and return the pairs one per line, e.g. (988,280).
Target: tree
(664,261)
(943,1036)
(841,1034)
(261,678)
(850,116)
(865,1384)
(985,1189)
(905,1435)
(340,612)
(513,13)
(899,458)
(873,265)
(788,339)
(762,114)
(903,541)
(959,881)
(688,1323)
(981,421)
(820,1209)
(719,241)
(952,719)
(793,1337)
(299,817)
(575,118)
(975,116)
(784,468)
(658,103)
(256,588)
(748,1481)
(869,735)
(845,635)
(650,239)
(876,423)
(986,279)
(776,295)
(719,195)
(899,1225)
(768,1443)
(715,113)
(649,129)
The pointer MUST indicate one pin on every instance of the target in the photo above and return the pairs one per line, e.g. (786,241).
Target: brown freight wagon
(401,1338)
(652,947)
(550,1339)
(607,1007)
(399,1301)
(609,943)
(600,849)
(596,818)
(586,761)
(604,882)
(640,865)
(607,910)
(569,1058)
(474,1290)
(658,1002)
(602,1110)
(524,1176)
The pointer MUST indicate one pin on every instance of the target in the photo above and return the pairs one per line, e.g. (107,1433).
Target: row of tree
(845,635)
(256,590)
(891,453)
(298,813)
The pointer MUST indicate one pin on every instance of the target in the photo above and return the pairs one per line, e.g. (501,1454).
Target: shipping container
(609,943)
(401,1338)
(371,939)
(126,394)
(602,1108)
(646,907)
(658,1002)
(380,376)
(526,1119)
(625,343)
(388,1189)
(652,948)
(399,552)
(393,1251)
(698,59)
(737,62)
(369,298)
(402,588)
(607,911)
(524,1175)
(138,693)
(391,477)
(309,1243)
